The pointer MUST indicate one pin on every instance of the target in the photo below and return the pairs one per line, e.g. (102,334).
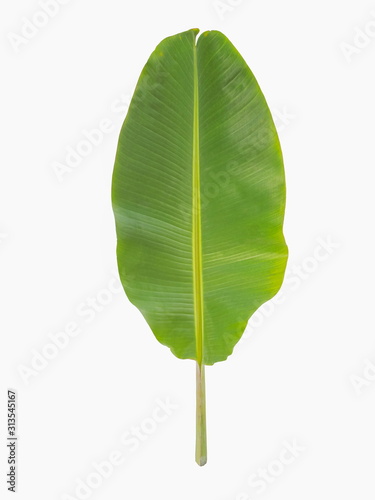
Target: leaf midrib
(196,224)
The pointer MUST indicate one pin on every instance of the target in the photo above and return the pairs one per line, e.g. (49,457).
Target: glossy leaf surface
(199,196)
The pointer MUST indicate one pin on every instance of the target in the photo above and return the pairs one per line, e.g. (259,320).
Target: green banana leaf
(198,195)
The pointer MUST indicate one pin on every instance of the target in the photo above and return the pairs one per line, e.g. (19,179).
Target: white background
(303,373)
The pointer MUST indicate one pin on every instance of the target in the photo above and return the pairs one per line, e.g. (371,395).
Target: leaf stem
(201,433)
